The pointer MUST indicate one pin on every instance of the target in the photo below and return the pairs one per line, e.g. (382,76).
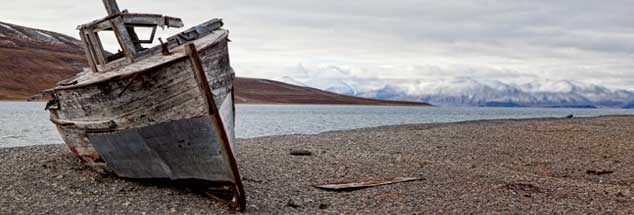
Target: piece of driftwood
(300,153)
(158,112)
(363,184)
(599,172)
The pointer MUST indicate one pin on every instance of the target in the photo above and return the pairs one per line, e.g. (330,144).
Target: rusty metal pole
(111,6)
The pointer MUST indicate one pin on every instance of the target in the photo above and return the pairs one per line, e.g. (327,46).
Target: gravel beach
(535,166)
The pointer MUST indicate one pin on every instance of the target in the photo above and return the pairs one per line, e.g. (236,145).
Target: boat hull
(174,120)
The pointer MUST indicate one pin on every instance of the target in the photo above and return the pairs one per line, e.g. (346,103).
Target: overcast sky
(514,41)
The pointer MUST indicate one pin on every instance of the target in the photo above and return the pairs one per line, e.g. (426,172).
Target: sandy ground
(539,166)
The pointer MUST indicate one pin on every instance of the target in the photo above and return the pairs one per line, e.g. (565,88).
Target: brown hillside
(249,90)
(32,60)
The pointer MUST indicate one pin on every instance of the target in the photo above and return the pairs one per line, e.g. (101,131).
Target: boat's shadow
(219,191)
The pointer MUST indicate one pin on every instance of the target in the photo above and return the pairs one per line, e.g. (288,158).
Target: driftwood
(363,184)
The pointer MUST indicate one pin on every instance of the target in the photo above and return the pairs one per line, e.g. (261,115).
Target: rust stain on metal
(154,112)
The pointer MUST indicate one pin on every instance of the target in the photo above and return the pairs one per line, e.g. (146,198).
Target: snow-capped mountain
(11,32)
(465,91)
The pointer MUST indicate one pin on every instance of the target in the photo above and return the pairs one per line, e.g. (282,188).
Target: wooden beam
(88,51)
(111,6)
(214,114)
(123,36)
(97,47)
(152,19)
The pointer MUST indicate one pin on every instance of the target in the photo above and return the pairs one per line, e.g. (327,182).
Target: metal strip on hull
(227,116)
(239,201)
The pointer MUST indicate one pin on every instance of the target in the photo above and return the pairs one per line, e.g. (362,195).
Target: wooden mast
(111,6)
(125,34)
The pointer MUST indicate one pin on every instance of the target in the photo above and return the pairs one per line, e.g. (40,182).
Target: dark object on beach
(162,112)
(523,187)
(301,153)
(341,187)
(570,116)
(324,206)
(599,172)
(292,204)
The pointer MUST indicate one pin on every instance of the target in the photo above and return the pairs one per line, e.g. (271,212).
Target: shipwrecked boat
(163,112)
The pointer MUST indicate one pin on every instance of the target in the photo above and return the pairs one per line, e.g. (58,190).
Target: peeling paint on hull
(182,149)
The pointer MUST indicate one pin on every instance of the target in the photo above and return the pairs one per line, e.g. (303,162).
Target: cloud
(516,41)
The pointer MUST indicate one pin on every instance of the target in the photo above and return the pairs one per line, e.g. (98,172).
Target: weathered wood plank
(215,62)
(152,19)
(123,36)
(111,7)
(143,93)
(98,48)
(90,55)
(201,78)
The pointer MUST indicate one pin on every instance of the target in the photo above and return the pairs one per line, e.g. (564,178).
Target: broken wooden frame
(122,24)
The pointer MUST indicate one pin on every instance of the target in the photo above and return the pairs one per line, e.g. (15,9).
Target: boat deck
(151,61)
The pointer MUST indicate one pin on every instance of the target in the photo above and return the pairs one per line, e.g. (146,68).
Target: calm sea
(26,123)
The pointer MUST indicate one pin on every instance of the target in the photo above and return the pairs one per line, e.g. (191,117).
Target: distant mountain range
(32,60)
(473,92)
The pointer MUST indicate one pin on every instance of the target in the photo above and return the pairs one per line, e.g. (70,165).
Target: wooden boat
(165,112)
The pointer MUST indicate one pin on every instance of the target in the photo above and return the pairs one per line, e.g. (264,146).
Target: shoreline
(387,126)
(546,165)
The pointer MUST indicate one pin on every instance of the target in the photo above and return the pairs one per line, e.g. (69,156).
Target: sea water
(27,123)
